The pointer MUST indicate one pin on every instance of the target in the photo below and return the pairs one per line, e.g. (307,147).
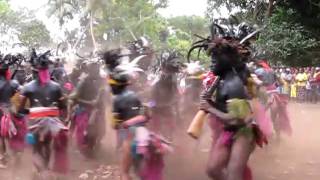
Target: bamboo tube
(196,126)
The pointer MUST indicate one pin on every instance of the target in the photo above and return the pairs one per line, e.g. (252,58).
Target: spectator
(316,76)
(293,87)
(287,78)
(301,79)
(315,85)
(308,95)
(302,84)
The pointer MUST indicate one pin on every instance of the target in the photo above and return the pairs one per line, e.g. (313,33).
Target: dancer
(60,76)
(231,105)
(276,102)
(11,127)
(139,147)
(47,132)
(165,94)
(88,120)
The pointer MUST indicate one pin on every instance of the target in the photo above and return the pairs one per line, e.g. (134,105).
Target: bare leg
(275,118)
(38,159)
(41,154)
(101,126)
(47,153)
(218,159)
(126,160)
(2,153)
(240,153)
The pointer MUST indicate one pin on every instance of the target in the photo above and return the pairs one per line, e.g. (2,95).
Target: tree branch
(91,32)
(313,3)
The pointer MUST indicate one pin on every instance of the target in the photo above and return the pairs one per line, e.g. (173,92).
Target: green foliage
(21,25)
(184,29)
(125,20)
(4,7)
(190,24)
(122,19)
(248,11)
(230,4)
(181,45)
(292,31)
(307,13)
(286,40)
(34,33)
(8,17)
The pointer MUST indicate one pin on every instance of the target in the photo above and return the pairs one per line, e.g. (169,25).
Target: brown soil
(294,158)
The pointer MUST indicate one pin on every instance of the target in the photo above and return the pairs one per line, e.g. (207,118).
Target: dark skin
(90,94)
(75,96)
(61,103)
(74,99)
(126,156)
(42,149)
(165,94)
(8,91)
(234,157)
(126,159)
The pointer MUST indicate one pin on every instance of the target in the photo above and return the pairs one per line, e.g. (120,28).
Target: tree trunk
(270,8)
(92,33)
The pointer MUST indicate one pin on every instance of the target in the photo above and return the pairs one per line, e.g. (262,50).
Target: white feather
(131,67)
(137,59)
(193,68)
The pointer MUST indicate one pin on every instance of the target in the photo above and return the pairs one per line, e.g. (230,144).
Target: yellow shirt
(301,79)
(293,92)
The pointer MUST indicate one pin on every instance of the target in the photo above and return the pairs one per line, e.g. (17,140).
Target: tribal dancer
(139,147)
(47,131)
(60,76)
(76,73)
(276,102)
(89,116)
(12,128)
(230,101)
(165,94)
(20,70)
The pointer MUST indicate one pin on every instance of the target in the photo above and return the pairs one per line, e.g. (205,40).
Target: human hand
(204,105)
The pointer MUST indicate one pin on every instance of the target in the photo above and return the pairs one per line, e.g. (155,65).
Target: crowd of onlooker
(300,84)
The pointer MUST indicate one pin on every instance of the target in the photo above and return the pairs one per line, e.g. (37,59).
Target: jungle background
(290,37)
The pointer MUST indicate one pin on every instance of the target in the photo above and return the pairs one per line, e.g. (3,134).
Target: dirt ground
(294,158)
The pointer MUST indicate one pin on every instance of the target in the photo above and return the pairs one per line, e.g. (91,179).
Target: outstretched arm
(135,120)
